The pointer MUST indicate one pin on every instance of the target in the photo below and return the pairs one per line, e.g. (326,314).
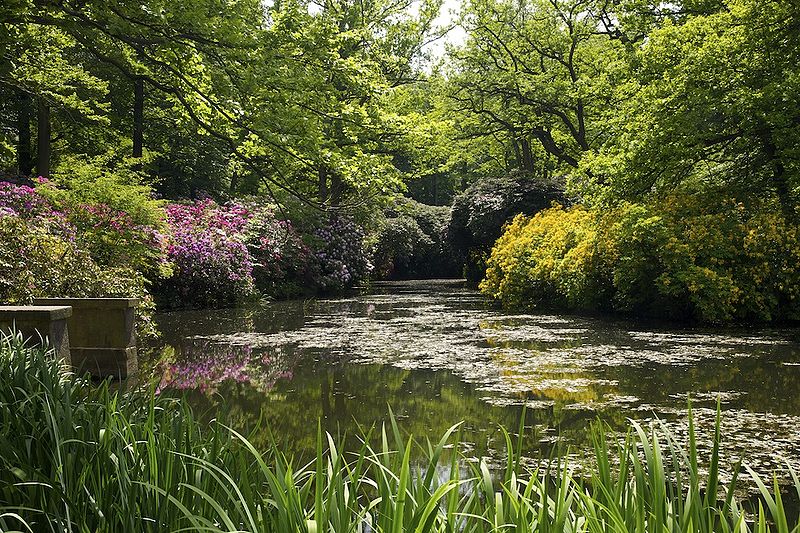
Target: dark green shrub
(412,243)
(481,211)
(341,258)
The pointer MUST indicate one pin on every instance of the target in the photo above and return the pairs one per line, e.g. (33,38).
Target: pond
(437,354)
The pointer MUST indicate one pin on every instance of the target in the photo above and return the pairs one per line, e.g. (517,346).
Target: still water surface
(438,354)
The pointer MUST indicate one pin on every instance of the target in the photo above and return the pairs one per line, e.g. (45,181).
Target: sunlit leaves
(713,100)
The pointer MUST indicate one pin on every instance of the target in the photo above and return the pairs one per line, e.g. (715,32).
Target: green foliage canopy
(714,100)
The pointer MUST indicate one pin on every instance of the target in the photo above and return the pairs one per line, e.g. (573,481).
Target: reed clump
(80,457)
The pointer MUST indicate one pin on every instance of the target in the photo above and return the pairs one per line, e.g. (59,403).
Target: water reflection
(201,364)
(438,355)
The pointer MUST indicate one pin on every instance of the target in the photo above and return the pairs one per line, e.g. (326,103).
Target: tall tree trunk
(517,154)
(43,139)
(24,155)
(527,155)
(138,117)
(337,190)
(782,188)
(323,184)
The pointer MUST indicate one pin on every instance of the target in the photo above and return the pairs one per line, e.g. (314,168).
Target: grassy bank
(80,457)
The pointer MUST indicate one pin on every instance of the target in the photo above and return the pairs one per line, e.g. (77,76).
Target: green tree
(539,76)
(344,61)
(714,101)
(227,95)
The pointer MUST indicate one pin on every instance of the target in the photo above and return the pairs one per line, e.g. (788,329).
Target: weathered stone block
(99,322)
(106,362)
(102,334)
(49,321)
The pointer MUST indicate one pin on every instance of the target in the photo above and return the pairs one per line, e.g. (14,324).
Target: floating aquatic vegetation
(586,367)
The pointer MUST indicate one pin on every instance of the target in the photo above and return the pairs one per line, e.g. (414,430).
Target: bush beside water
(107,237)
(340,254)
(699,256)
(75,456)
(412,243)
(688,256)
(227,254)
(57,242)
(482,210)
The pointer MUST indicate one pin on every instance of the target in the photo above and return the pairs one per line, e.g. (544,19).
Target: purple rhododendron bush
(224,254)
(212,265)
(57,240)
(340,254)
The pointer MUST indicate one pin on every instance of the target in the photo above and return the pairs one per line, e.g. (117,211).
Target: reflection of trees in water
(745,382)
(573,370)
(179,325)
(348,399)
(552,382)
(748,365)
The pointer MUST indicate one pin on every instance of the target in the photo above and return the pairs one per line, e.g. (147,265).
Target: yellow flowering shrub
(699,256)
(553,258)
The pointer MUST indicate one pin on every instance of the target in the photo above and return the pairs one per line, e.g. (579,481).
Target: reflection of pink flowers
(203,365)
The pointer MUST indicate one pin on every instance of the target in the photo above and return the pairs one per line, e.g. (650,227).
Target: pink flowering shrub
(55,247)
(113,237)
(212,264)
(222,254)
(282,261)
(115,218)
(22,201)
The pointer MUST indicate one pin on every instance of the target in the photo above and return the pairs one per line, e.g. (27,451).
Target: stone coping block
(35,312)
(90,303)
(99,322)
(49,321)
(102,334)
